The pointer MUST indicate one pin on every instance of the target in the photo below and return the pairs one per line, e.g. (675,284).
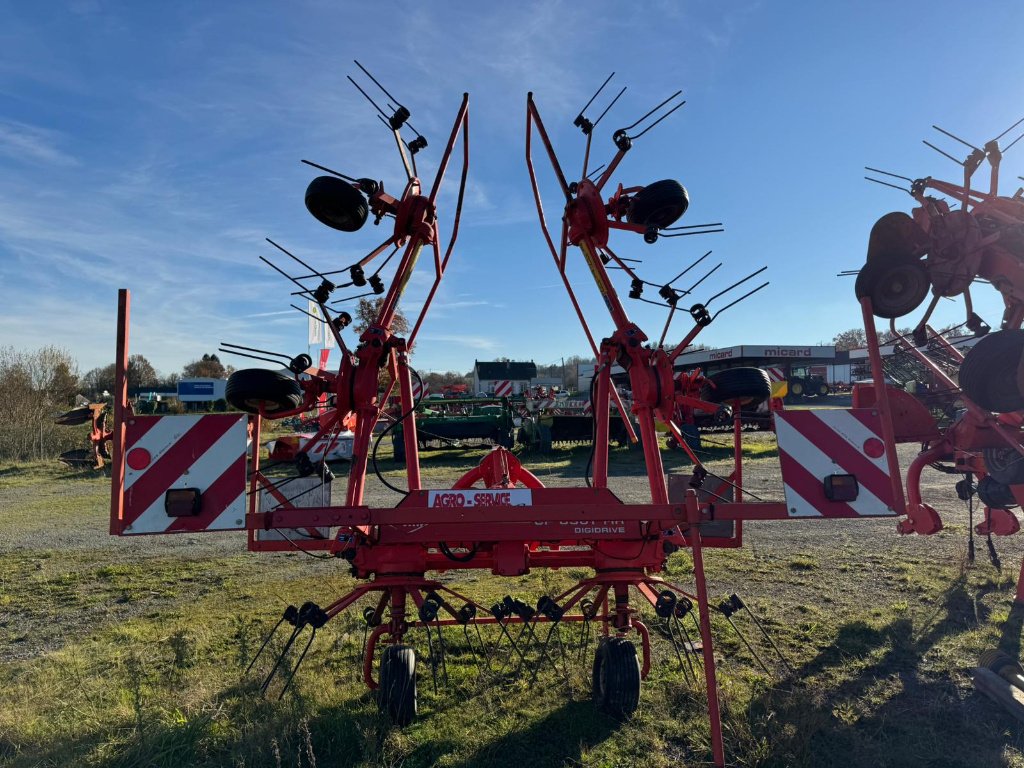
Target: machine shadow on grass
(877,703)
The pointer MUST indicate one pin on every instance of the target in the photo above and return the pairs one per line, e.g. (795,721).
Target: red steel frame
(393,548)
(975,428)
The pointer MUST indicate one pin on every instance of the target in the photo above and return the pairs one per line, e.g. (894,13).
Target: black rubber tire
(396,694)
(75,416)
(616,677)
(750,386)
(995,494)
(896,236)
(336,203)
(1005,465)
(821,389)
(658,205)
(797,388)
(248,388)
(990,370)
(896,288)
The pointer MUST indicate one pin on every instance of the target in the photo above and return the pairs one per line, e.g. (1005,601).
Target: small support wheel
(991,371)
(336,203)
(658,205)
(396,695)
(749,386)
(616,677)
(1005,465)
(250,388)
(895,288)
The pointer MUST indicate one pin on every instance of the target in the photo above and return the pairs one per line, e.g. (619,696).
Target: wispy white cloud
(32,144)
(483,343)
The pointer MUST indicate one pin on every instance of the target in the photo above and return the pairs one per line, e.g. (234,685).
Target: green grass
(123,657)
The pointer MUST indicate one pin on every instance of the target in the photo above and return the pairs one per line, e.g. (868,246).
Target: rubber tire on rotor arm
(995,494)
(336,203)
(751,386)
(896,288)
(249,387)
(396,694)
(658,205)
(616,677)
(988,374)
(1005,465)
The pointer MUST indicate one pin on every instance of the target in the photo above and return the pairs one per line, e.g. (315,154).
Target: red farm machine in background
(945,247)
(192,473)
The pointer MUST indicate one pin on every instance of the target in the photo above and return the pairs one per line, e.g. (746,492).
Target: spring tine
(746,295)
(331,171)
(655,109)
(956,138)
(690,651)
(298,663)
(595,171)
(310,314)
(304,292)
(691,226)
(711,272)
(675,647)
(887,184)
(253,349)
(997,138)
(738,282)
(265,642)
(749,646)
(366,95)
(280,658)
(1007,147)
(443,651)
(612,104)
(254,357)
(768,637)
(367,73)
(433,660)
(596,93)
(944,154)
(286,252)
(694,232)
(887,173)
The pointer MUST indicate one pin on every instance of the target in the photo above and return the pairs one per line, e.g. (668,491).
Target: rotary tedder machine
(192,473)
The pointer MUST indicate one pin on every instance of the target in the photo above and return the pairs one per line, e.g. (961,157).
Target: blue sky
(155,145)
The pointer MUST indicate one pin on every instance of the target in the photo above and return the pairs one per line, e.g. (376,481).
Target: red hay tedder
(174,474)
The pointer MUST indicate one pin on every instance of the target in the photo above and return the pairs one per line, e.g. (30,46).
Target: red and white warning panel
(834,463)
(183,474)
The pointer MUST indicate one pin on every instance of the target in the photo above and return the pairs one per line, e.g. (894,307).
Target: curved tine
(645,130)
(712,271)
(304,292)
(286,252)
(691,226)
(685,234)
(887,184)
(944,132)
(264,351)
(331,171)
(997,138)
(887,173)
(366,96)
(606,109)
(741,298)
(596,93)
(738,282)
(655,109)
(253,357)
(694,264)
(385,90)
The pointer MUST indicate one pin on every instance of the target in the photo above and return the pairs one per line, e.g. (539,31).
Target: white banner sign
(316,324)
